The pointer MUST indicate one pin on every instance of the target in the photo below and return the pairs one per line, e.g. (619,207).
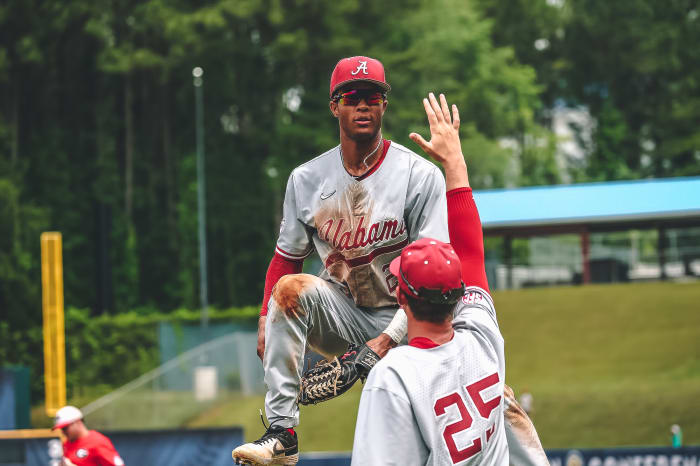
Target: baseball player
(440,399)
(358,205)
(83,447)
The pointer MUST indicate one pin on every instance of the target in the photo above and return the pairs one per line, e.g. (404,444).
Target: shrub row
(102,351)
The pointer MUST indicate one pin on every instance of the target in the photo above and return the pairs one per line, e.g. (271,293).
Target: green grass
(608,365)
(326,427)
(40,420)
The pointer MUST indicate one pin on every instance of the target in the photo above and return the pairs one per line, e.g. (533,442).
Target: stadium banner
(632,456)
(629,456)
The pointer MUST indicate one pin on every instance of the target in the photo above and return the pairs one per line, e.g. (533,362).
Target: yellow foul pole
(54,334)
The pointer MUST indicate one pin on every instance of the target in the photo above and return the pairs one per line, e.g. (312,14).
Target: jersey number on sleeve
(465,422)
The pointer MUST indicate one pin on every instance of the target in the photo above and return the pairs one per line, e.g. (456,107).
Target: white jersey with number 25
(442,405)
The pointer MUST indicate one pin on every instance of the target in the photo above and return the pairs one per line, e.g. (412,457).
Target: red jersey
(92,450)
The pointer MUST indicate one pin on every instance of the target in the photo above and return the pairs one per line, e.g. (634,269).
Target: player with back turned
(440,399)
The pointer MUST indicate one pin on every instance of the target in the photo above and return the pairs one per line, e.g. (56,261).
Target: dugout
(589,208)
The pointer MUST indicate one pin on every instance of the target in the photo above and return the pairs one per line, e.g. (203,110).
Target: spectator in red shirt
(83,447)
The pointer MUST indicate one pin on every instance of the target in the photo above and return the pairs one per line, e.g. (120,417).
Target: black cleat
(276,446)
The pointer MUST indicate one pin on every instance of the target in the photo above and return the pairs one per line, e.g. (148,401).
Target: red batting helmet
(429,270)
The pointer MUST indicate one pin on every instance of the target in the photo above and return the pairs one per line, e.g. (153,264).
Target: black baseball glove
(329,379)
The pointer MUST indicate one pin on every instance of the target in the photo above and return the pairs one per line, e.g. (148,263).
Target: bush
(105,350)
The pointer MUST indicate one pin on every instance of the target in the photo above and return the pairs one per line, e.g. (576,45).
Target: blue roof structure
(590,203)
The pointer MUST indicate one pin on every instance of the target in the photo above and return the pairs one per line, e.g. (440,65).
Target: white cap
(66,415)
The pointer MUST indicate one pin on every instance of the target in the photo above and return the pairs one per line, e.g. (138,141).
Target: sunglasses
(354,96)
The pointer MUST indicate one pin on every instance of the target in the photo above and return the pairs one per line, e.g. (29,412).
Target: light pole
(197,73)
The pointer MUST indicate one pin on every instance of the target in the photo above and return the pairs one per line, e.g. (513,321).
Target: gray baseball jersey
(441,405)
(358,225)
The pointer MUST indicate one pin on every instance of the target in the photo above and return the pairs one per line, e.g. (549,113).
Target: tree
(628,62)
(99,130)
(20,225)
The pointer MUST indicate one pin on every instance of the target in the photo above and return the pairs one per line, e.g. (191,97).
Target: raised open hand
(444,146)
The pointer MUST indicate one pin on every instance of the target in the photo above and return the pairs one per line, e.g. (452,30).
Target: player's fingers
(455,117)
(436,107)
(445,109)
(418,139)
(432,119)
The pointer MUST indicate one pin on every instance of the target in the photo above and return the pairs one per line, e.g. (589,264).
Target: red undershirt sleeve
(466,236)
(279,267)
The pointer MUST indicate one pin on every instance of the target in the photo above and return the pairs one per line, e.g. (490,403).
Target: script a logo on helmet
(361,67)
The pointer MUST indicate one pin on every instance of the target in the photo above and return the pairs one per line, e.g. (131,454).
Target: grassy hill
(608,365)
